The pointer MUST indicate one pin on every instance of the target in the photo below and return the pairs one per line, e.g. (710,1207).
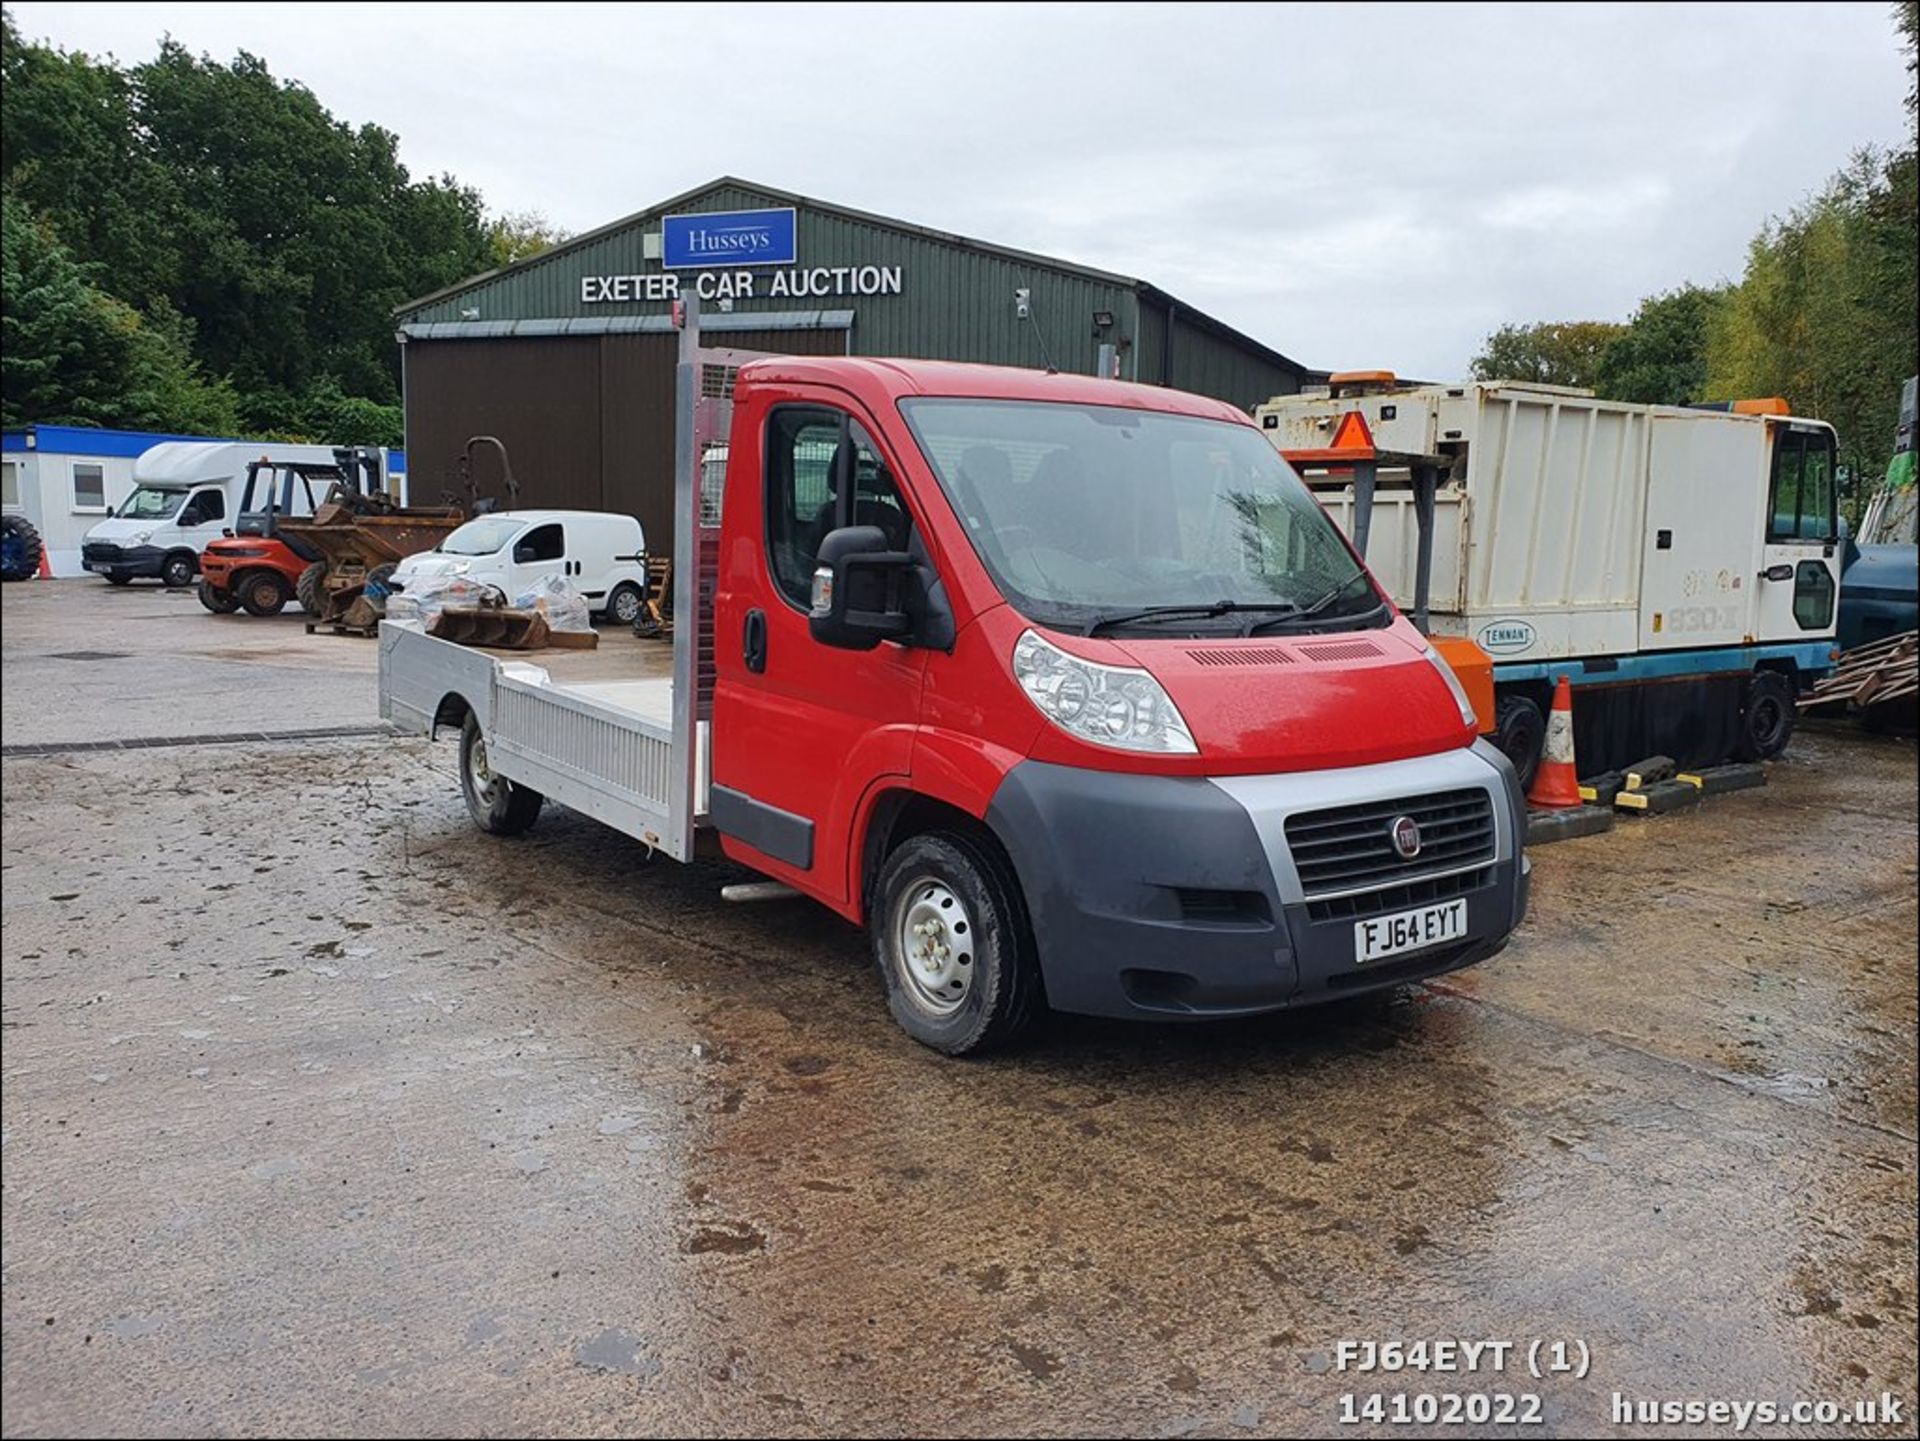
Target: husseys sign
(720,246)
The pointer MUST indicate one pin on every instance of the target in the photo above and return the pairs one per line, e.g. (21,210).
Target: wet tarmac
(324,1112)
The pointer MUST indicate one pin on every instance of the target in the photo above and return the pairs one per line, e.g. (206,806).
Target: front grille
(99,550)
(1399,898)
(1350,848)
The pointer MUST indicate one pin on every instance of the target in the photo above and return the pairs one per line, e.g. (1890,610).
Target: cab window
(1803,486)
(543,542)
(823,472)
(208,505)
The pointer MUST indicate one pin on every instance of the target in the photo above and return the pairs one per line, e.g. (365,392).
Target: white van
(602,555)
(185,494)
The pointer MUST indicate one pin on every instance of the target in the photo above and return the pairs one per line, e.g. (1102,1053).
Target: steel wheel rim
(480,773)
(933,939)
(626,607)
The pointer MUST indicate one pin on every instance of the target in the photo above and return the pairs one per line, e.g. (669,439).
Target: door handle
(1783,571)
(754,641)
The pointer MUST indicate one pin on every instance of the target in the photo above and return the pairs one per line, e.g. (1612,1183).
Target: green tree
(519,235)
(190,188)
(72,354)
(1828,311)
(1549,353)
(1661,357)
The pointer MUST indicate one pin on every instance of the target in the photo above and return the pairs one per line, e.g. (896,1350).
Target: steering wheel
(1006,535)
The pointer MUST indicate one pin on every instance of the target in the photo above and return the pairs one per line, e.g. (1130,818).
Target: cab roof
(879,381)
(542,516)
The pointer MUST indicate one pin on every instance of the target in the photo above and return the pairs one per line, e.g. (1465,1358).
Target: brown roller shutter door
(588,420)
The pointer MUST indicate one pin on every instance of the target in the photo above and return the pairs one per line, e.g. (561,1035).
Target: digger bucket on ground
(498,629)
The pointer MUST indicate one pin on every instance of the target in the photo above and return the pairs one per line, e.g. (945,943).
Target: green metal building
(568,356)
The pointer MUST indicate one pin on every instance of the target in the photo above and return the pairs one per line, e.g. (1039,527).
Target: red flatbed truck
(1066,689)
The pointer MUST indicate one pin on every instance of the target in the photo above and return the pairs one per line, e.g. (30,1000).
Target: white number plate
(1408,931)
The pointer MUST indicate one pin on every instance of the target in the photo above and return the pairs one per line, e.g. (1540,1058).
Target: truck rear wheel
(1520,731)
(1766,717)
(263,593)
(311,588)
(497,805)
(220,602)
(954,947)
(178,570)
(625,604)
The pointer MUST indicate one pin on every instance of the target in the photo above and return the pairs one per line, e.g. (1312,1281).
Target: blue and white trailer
(1679,565)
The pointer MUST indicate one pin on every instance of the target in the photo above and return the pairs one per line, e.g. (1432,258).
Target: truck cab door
(203,517)
(1799,580)
(801,730)
(535,554)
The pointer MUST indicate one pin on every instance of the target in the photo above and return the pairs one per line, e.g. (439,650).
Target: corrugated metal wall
(956,302)
(587,419)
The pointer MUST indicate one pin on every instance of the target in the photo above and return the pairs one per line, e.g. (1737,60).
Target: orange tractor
(256,566)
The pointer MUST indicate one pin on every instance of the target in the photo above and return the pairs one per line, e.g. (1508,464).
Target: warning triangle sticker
(1352,434)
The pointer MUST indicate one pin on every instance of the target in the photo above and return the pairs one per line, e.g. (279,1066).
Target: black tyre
(497,805)
(178,570)
(115,578)
(264,592)
(220,602)
(1766,717)
(625,603)
(20,548)
(954,946)
(311,589)
(1520,730)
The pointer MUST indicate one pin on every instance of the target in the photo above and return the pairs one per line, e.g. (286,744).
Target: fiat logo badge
(1406,838)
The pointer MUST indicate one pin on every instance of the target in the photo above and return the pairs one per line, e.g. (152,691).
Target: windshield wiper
(1176,612)
(1294,615)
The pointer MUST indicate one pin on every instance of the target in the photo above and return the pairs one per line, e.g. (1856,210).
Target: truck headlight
(458,567)
(1435,660)
(141,537)
(1108,705)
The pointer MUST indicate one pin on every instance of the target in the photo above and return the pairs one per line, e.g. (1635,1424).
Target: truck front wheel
(1766,717)
(953,944)
(1519,730)
(497,805)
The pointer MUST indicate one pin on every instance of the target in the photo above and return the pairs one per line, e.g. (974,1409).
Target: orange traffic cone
(46,564)
(1555,783)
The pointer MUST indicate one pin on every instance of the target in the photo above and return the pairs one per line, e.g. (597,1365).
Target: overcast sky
(1356,186)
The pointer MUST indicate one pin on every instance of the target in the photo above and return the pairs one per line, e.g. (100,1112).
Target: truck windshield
(1096,517)
(481,537)
(150,503)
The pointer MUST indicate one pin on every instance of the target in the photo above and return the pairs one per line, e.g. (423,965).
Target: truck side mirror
(523,555)
(859,590)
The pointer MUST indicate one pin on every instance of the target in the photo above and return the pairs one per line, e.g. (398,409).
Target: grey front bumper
(1174,897)
(135,560)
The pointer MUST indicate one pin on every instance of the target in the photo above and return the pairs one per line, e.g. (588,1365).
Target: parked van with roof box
(185,495)
(598,553)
